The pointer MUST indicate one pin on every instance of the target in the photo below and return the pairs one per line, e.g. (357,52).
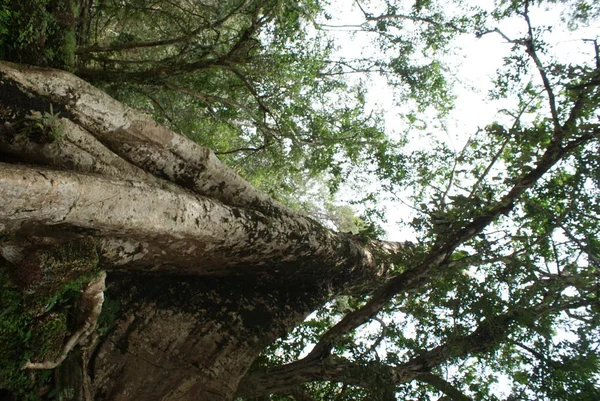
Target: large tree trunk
(190,338)
(208,271)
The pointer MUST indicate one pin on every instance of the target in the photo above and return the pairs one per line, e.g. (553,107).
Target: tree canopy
(495,297)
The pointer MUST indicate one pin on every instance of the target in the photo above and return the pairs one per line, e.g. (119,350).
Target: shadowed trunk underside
(189,338)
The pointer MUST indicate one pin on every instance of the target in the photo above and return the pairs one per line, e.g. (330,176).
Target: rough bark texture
(190,337)
(207,270)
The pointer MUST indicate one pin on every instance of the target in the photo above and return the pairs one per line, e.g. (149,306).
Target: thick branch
(488,335)
(444,386)
(437,257)
(183,232)
(132,135)
(75,149)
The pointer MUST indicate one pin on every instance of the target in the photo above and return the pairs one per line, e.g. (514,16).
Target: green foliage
(253,81)
(50,125)
(40,32)
(24,337)
(14,334)
(518,302)
(5,14)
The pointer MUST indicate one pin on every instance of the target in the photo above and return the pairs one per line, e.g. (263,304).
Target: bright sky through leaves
(474,63)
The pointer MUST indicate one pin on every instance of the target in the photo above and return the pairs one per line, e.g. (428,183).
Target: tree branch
(164,42)
(414,18)
(445,387)
(210,98)
(332,368)
(496,157)
(487,336)
(135,137)
(531,50)
(437,257)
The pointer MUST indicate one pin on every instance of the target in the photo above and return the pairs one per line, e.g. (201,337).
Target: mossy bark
(44,276)
(69,379)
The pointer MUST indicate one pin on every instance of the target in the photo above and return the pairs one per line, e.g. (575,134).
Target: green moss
(69,45)
(50,273)
(47,336)
(14,334)
(23,337)
(35,298)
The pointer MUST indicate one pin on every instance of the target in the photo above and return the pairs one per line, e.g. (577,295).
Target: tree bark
(189,338)
(207,270)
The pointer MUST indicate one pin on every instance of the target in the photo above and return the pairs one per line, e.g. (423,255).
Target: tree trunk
(207,270)
(190,338)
